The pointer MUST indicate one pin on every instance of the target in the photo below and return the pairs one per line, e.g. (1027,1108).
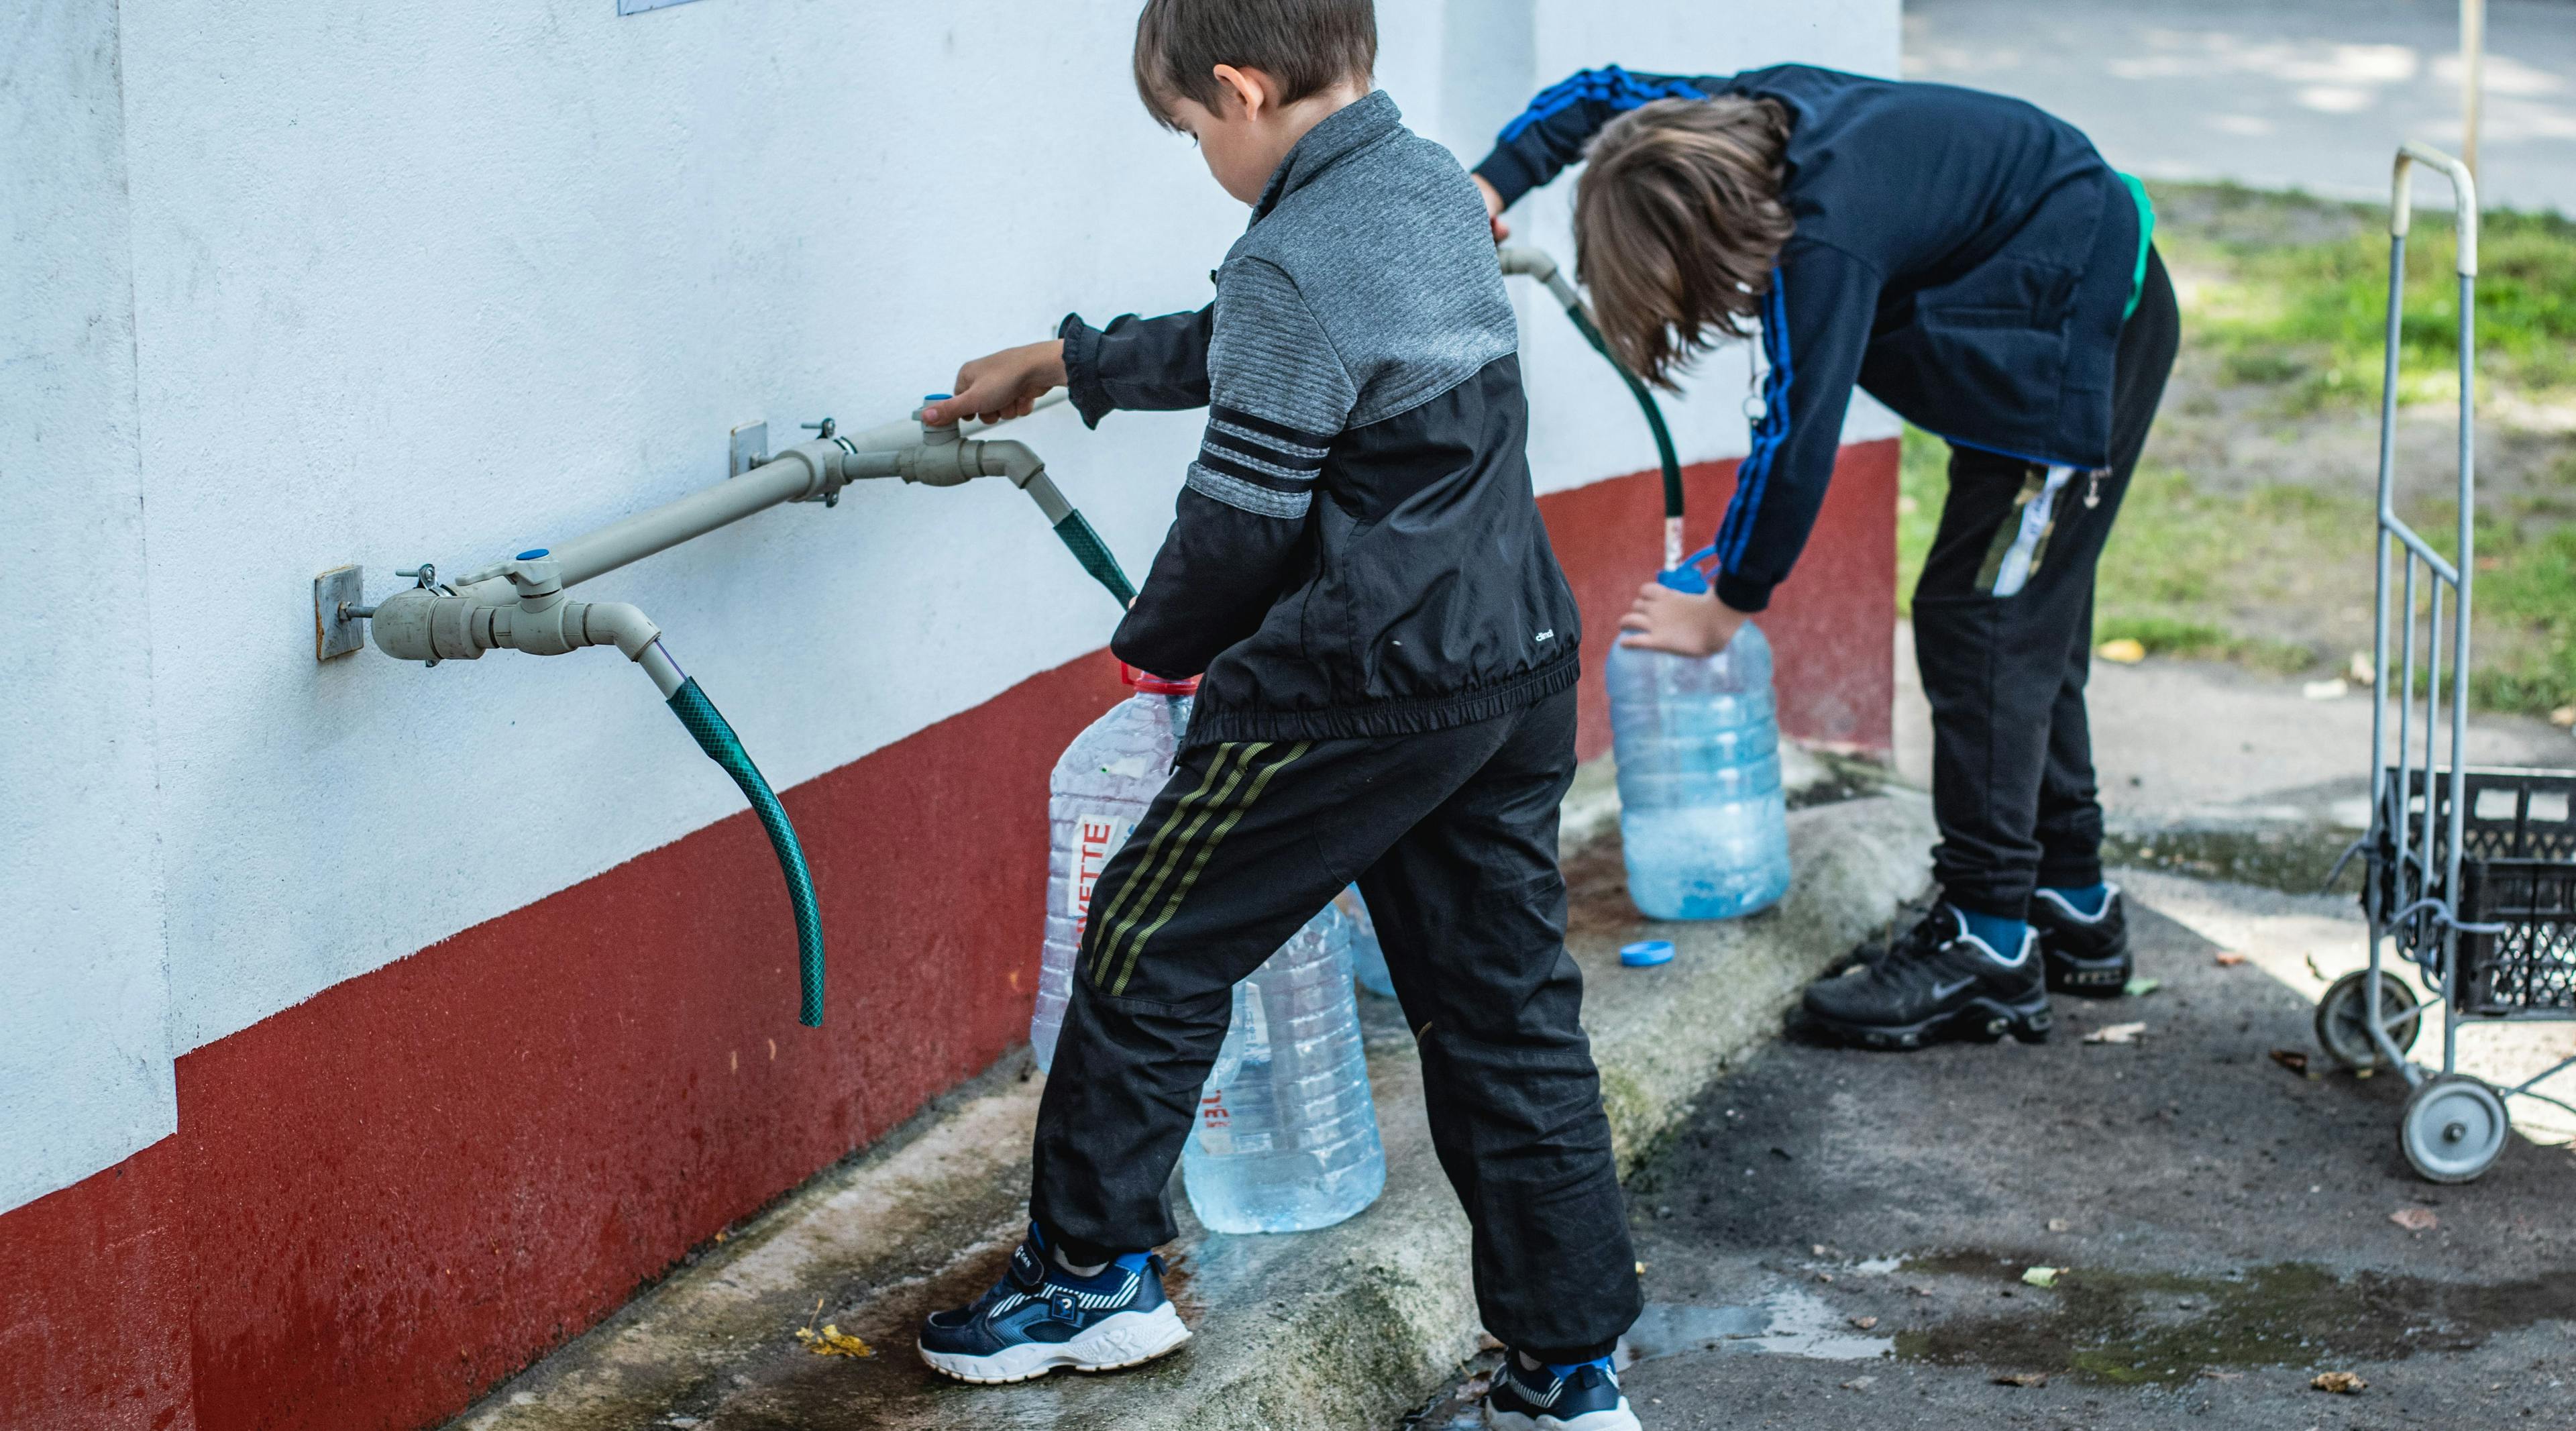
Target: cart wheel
(2453,1128)
(2343,1019)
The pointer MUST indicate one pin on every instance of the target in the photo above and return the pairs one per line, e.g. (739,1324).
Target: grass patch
(2306,316)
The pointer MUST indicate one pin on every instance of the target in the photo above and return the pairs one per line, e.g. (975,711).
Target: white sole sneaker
(1618,1419)
(1127,1339)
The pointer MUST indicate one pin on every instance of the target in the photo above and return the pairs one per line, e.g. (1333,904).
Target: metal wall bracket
(339,598)
(750,448)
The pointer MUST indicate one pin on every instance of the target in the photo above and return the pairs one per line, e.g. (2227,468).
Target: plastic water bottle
(1286,1138)
(1100,789)
(1368,957)
(1701,813)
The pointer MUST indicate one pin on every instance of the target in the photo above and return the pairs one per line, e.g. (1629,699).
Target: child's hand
(1493,208)
(1667,620)
(1003,384)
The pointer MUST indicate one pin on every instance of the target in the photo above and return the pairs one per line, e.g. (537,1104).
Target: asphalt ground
(2223,1222)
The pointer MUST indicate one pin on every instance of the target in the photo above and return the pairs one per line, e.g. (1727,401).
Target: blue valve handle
(717,739)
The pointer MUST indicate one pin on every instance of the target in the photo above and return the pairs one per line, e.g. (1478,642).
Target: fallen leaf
(2208,1375)
(2059,1224)
(832,1341)
(1864,1323)
(1488,1342)
(2291,1059)
(2042,1276)
(2116,1033)
(2229,958)
(2022,1378)
(2343,1382)
(2564,717)
(2126,651)
(2334,688)
(2140,988)
(2415,1219)
(1860,1383)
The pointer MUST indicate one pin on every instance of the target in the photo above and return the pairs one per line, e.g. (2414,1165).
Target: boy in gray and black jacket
(1358,566)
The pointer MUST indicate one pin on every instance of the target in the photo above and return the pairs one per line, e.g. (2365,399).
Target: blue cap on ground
(1646,953)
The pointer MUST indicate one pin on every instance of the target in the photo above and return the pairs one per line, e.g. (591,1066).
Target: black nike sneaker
(1939,980)
(1040,1317)
(2086,955)
(1583,1397)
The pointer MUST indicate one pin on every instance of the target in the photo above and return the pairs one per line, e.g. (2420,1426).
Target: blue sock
(2004,936)
(2088,901)
(1569,1368)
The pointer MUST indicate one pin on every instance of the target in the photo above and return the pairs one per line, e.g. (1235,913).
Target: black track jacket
(1356,551)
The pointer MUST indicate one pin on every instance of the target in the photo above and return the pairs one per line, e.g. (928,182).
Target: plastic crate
(2517,869)
(2531,966)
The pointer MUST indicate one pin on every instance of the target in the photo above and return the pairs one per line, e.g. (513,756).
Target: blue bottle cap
(1646,953)
(1683,579)
(532,553)
(937,397)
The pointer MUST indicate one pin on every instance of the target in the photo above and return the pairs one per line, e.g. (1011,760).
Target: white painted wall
(440,281)
(84,1061)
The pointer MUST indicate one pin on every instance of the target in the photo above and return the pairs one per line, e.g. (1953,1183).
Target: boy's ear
(1245,92)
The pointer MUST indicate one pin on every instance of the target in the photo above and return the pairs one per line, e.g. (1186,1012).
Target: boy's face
(1248,132)
(1234,143)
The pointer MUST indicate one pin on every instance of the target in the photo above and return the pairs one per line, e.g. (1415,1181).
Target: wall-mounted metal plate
(334,635)
(750,448)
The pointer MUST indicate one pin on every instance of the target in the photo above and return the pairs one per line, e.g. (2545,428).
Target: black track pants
(1451,835)
(2012,758)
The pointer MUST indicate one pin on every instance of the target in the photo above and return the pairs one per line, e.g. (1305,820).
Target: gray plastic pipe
(807,472)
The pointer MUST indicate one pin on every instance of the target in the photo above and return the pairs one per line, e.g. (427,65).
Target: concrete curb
(1349,1326)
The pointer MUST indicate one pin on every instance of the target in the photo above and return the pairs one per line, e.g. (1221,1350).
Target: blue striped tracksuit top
(1964,257)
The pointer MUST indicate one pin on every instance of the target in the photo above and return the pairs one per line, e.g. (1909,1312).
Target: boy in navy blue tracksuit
(1974,264)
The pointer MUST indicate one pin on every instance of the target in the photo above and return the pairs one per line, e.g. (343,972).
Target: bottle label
(1097,834)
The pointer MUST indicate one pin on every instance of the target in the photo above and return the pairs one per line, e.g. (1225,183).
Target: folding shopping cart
(2471,871)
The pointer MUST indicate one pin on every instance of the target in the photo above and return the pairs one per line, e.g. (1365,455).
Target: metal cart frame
(2454,1125)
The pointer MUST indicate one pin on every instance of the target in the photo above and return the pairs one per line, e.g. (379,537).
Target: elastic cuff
(1082,369)
(2070,874)
(1077,1251)
(1743,593)
(1510,177)
(1564,1356)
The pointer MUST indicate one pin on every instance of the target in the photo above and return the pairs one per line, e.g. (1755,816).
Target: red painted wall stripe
(387,1198)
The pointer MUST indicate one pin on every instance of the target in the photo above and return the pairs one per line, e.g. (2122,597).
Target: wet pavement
(1837,1237)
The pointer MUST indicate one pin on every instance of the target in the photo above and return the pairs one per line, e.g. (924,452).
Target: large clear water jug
(1099,790)
(1286,1138)
(1701,814)
(1368,957)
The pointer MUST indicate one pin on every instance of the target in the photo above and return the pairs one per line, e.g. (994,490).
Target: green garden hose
(717,739)
(1093,553)
(1646,400)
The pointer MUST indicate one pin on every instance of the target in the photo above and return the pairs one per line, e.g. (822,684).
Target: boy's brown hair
(1306,45)
(1676,225)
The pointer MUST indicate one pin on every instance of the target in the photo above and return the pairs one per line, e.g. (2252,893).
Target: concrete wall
(440,282)
(471,985)
(84,1059)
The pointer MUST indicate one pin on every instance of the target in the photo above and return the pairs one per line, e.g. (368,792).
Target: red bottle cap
(1153,685)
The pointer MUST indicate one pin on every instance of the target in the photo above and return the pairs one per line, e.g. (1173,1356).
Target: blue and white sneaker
(1040,1317)
(1581,1397)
